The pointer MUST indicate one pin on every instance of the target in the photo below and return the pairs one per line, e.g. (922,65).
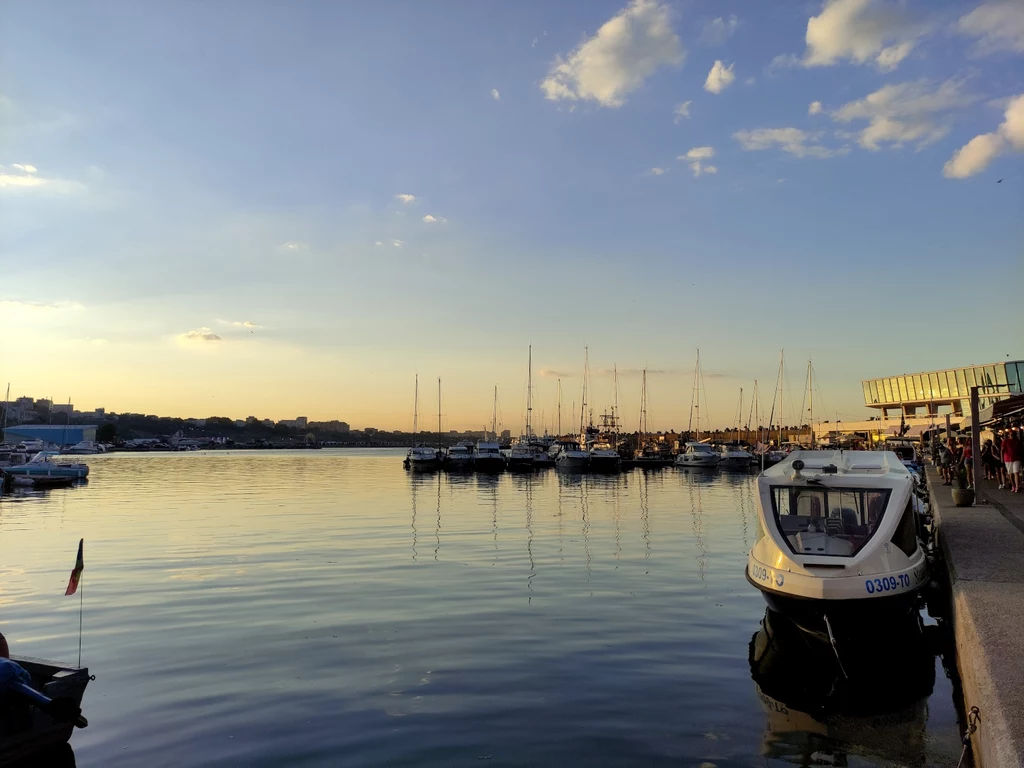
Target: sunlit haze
(270,209)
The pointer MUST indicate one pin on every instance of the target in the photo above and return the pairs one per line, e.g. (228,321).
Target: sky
(269,209)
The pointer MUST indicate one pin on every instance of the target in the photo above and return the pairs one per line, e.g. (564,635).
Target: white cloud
(695,159)
(719,78)
(430,219)
(23,179)
(495,94)
(814,108)
(999,26)
(405,198)
(398,243)
(681,111)
(656,171)
(860,31)
(378,243)
(37,306)
(627,49)
(976,155)
(905,112)
(792,140)
(198,336)
(717,31)
(294,245)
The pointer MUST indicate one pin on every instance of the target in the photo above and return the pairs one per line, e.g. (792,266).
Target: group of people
(1001,458)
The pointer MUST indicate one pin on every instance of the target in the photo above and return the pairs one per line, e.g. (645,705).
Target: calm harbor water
(329,608)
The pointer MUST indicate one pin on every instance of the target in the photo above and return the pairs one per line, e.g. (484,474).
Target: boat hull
(521,464)
(27,733)
(461,464)
(735,462)
(847,617)
(572,463)
(605,464)
(490,465)
(55,470)
(700,462)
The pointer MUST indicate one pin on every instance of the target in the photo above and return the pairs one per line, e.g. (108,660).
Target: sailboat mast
(439,413)
(583,404)
(696,384)
(643,411)
(494,415)
(529,393)
(559,407)
(782,396)
(615,404)
(416,411)
(810,400)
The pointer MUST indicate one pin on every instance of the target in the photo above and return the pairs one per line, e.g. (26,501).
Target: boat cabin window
(816,520)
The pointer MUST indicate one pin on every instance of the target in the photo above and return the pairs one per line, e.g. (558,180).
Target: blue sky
(201,213)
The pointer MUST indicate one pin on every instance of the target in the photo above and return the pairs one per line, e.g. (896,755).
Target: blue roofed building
(53,435)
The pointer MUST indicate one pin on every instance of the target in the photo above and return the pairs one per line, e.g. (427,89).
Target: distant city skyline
(253,208)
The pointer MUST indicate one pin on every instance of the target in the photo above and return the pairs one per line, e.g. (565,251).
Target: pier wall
(983,548)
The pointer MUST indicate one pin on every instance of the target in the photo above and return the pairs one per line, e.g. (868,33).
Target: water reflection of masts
(645,516)
(744,498)
(529,537)
(414,532)
(586,527)
(697,513)
(615,518)
(437,528)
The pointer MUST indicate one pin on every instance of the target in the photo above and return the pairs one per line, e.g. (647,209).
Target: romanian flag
(77,573)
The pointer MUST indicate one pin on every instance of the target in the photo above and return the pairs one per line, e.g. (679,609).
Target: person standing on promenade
(967,459)
(946,457)
(1012,456)
(990,461)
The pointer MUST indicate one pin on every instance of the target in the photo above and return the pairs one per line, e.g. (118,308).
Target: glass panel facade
(951,384)
(990,374)
(979,373)
(868,396)
(943,384)
(902,382)
(918,388)
(1000,374)
(887,385)
(1012,377)
(972,381)
(879,391)
(933,385)
(961,382)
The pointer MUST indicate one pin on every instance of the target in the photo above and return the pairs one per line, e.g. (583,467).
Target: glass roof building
(951,387)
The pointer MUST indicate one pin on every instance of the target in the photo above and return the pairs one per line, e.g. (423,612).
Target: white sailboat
(572,455)
(489,458)
(521,456)
(697,454)
(420,457)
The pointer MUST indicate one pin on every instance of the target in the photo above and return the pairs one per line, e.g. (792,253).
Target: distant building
(330,426)
(239,422)
(67,408)
(506,434)
(299,422)
(267,422)
(52,435)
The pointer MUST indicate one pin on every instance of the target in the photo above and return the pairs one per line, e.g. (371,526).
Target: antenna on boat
(529,394)
(439,413)
(416,411)
(494,415)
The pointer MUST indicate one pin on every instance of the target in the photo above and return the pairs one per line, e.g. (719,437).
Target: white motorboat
(570,456)
(41,465)
(603,458)
(460,457)
(31,446)
(85,448)
(698,455)
(489,458)
(521,456)
(735,457)
(840,540)
(421,457)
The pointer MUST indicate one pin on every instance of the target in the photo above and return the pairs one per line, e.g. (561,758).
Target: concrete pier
(983,548)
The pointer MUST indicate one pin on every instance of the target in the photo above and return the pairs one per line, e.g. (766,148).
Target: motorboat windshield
(699,448)
(43,456)
(818,520)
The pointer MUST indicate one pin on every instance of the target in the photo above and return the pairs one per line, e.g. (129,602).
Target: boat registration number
(887,584)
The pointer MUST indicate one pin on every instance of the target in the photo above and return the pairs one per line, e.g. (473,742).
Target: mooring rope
(973,718)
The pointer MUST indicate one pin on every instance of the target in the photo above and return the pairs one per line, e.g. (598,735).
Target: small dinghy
(40,709)
(841,545)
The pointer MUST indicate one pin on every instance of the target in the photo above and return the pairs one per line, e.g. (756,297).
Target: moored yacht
(698,455)
(423,458)
(603,458)
(488,458)
(841,542)
(41,465)
(521,456)
(570,456)
(460,457)
(735,457)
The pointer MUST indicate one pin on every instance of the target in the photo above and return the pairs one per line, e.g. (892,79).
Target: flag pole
(81,608)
